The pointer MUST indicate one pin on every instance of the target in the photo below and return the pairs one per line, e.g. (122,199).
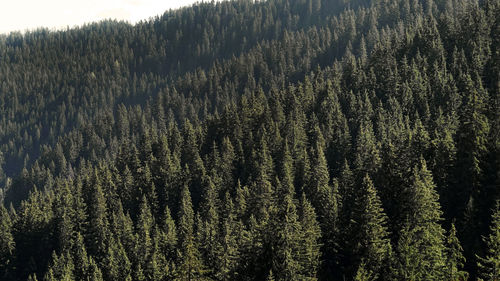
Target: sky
(22,15)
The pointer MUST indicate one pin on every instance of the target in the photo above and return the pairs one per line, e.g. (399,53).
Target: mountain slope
(288,154)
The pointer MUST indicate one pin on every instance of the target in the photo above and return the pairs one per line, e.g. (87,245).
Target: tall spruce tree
(367,242)
(7,244)
(489,266)
(191,264)
(420,252)
(309,245)
(455,259)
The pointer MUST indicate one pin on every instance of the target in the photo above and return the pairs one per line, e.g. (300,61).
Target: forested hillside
(270,140)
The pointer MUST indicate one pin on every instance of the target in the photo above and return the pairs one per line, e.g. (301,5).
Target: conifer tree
(454,257)
(190,266)
(489,266)
(288,233)
(367,153)
(240,200)
(228,161)
(80,258)
(169,235)
(367,234)
(208,227)
(228,245)
(61,268)
(94,272)
(79,214)
(320,191)
(118,265)
(145,225)
(7,244)
(309,244)
(261,189)
(362,274)
(325,203)
(420,251)
(472,138)
(98,223)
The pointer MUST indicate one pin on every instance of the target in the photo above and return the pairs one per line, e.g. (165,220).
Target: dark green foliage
(454,257)
(489,266)
(366,246)
(243,140)
(7,244)
(420,251)
(190,264)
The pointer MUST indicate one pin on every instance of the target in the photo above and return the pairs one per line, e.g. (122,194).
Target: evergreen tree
(80,258)
(367,153)
(61,268)
(366,235)
(208,227)
(420,251)
(7,244)
(454,257)
(309,244)
(144,240)
(94,273)
(489,266)
(190,266)
(98,223)
(288,232)
(362,274)
(169,232)
(228,244)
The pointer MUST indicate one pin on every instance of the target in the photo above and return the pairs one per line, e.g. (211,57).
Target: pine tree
(240,200)
(287,237)
(208,227)
(191,158)
(144,243)
(61,268)
(367,153)
(80,258)
(261,189)
(228,244)
(472,139)
(157,267)
(64,216)
(94,272)
(98,223)
(117,265)
(309,244)
(489,266)
(454,257)
(367,237)
(169,235)
(420,251)
(227,167)
(362,274)
(7,244)
(320,191)
(191,266)
(444,152)
(324,202)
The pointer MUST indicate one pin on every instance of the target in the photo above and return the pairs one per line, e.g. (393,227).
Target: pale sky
(22,15)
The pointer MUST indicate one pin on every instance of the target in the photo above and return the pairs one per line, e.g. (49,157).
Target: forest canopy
(255,140)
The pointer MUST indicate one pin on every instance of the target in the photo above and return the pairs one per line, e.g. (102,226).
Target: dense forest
(255,140)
